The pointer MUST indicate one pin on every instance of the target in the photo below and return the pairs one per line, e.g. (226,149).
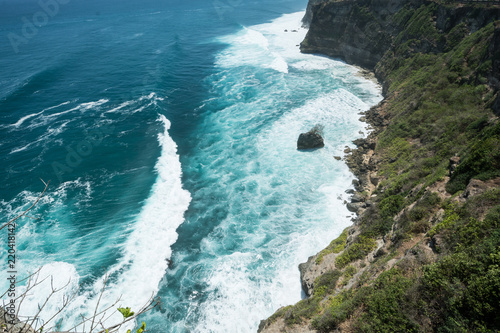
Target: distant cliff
(361,32)
(423,254)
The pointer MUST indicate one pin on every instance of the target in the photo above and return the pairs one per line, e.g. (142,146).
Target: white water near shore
(284,205)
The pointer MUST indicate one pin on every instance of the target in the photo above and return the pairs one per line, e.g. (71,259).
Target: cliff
(423,254)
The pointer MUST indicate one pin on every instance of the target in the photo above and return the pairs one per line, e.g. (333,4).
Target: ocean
(168,132)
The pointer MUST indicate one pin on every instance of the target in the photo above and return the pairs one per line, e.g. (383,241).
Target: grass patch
(336,246)
(357,250)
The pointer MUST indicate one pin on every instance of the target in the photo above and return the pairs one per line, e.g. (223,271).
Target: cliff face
(424,251)
(359,32)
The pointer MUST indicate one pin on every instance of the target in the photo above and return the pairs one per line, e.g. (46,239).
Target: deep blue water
(168,131)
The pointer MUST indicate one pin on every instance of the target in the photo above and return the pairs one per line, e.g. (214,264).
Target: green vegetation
(438,109)
(482,160)
(464,286)
(335,246)
(349,272)
(126,312)
(438,103)
(459,293)
(326,283)
(382,302)
(140,329)
(416,220)
(439,98)
(357,250)
(450,218)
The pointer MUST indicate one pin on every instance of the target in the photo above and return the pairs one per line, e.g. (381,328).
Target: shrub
(358,250)
(327,280)
(335,246)
(384,306)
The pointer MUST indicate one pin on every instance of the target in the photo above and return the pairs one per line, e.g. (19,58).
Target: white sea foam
(43,120)
(43,139)
(57,276)
(18,123)
(265,45)
(23,119)
(279,64)
(136,275)
(119,107)
(82,107)
(234,286)
(153,97)
(148,247)
(318,64)
(253,38)
(130,107)
(283,203)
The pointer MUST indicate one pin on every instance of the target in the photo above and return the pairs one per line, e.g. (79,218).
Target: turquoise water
(168,131)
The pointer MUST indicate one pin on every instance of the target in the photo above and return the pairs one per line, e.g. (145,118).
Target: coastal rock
(306,282)
(279,326)
(356,38)
(312,269)
(368,144)
(311,139)
(357,198)
(355,206)
(356,184)
(309,12)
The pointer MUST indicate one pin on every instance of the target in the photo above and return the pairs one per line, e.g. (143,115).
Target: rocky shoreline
(362,162)
(424,175)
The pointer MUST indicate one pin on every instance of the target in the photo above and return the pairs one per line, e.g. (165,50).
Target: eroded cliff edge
(424,253)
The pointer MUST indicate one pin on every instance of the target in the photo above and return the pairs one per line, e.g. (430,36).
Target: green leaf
(126,312)
(142,328)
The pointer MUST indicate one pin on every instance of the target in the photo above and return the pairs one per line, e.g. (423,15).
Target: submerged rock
(311,139)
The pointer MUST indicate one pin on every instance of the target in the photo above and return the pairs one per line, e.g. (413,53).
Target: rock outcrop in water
(311,139)
(419,255)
